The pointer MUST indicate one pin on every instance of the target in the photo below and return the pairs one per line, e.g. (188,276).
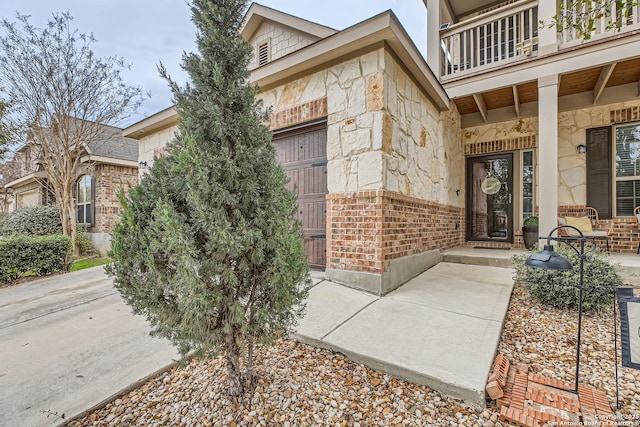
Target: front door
(489,198)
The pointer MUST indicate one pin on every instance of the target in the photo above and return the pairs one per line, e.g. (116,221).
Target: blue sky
(146,32)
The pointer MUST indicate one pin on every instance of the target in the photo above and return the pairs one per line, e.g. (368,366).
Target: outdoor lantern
(582,149)
(549,259)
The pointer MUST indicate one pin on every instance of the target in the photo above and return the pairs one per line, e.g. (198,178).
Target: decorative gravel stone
(299,385)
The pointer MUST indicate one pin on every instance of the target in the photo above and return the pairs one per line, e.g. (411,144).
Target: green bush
(559,288)
(83,243)
(531,221)
(22,256)
(34,221)
(3,218)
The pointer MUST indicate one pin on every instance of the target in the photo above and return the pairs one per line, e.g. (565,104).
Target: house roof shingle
(111,143)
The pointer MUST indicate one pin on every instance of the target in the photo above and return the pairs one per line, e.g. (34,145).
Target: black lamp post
(549,259)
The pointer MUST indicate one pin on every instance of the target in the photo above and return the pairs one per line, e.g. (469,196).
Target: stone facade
(572,131)
(427,156)
(383,133)
(280,41)
(393,161)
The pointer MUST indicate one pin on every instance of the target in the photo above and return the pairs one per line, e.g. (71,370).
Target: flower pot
(530,237)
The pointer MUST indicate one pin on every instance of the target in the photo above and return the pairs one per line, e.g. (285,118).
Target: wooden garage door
(302,152)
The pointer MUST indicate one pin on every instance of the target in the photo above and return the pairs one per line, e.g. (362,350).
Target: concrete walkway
(68,343)
(627,265)
(440,329)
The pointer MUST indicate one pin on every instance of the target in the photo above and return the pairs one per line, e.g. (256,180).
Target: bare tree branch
(60,97)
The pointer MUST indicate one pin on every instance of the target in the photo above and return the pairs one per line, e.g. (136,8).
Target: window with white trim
(85,200)
(528,194)
(627,168)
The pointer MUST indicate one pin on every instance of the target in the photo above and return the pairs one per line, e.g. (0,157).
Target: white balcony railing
(619,15)
(504,35)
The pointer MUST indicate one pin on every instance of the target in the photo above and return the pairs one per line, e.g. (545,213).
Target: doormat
(499,249)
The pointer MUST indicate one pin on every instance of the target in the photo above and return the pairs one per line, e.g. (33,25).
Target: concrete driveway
(67,343)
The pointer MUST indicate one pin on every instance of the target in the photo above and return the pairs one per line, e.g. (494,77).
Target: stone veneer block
(400,271)
(375,92)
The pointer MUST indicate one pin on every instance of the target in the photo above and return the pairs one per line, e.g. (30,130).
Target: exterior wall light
(582,149)
(142,165)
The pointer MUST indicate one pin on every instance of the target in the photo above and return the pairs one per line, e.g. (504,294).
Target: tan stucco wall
(282,41)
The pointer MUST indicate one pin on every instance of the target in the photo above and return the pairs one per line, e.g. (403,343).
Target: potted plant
(530,232)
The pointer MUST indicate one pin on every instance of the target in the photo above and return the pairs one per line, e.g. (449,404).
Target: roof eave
(25,179)
(381,28)
(257,13)
(109,161)
(164,119)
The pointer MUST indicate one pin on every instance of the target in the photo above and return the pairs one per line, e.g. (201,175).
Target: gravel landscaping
(302,386)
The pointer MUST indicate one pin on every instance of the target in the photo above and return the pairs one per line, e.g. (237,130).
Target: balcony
(489,40)
(618,15)
(509,34)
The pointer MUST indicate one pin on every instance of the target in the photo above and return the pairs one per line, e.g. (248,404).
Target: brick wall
(312,110)
(624,236)
(518,243)
(108,180)
(498,145)
(368,229)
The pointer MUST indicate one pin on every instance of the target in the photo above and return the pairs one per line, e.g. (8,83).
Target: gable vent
(263,53)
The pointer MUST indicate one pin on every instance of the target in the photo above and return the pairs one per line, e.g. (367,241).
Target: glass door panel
(489,198)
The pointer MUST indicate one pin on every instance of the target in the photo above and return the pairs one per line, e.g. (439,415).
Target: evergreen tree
(208,247)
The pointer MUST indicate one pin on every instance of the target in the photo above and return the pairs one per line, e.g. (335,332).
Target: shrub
(3,218)
(34,221)
(559,288)
(22,256)
(83,243)
(531,221)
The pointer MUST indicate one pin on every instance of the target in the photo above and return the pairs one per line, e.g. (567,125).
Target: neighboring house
(110,161)
(8,172)
(394,160)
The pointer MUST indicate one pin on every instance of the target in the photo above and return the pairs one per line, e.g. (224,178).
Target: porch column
(433,37)
(547,41)
(548,152)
